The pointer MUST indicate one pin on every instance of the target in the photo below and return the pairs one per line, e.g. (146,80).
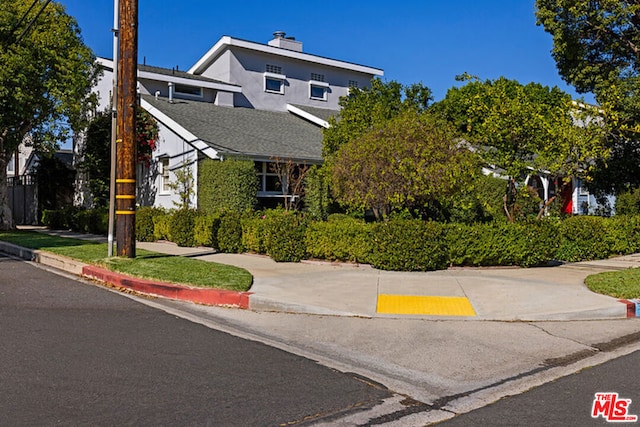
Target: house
(263,102)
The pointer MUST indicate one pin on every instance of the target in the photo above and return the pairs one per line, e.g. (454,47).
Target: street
(77,354)
(567,401)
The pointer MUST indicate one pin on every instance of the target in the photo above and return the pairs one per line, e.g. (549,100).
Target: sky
(413,41)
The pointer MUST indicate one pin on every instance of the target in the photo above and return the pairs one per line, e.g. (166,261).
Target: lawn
(620,284)
(146,264)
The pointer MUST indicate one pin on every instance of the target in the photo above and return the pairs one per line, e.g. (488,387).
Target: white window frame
(323,85)
(273,76)
(165,175)
(263,173)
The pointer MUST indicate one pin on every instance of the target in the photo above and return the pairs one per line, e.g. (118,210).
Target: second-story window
(274,80)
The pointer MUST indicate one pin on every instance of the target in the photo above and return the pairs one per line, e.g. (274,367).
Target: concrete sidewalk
(545,293)
(507,294)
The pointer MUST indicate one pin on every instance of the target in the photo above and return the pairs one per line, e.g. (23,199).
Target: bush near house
(398,244)
(228,185)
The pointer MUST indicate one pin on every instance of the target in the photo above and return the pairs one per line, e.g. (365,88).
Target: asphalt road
(77,354)
(567,401)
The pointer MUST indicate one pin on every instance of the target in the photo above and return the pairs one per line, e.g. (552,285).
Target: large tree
(371,107)
(524,128)
(46,74)
(596,46)
(410,162)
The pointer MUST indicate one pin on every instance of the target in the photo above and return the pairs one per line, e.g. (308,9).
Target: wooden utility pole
(126,140)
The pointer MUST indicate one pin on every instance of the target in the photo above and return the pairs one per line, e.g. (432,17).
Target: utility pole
(114,129)
(126,141)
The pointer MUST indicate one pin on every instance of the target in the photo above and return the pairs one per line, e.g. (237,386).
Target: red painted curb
(631,307)
(180,292)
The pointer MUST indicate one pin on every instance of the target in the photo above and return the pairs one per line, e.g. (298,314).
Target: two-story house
(263,102)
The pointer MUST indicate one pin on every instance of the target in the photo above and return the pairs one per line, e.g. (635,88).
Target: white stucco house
(241,99)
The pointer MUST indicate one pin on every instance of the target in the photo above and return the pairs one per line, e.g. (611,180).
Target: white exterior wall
(247,69)
(178,151)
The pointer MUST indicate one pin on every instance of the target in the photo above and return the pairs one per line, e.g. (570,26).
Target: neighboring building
(264,102)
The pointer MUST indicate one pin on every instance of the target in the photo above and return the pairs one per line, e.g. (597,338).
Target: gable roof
(257,134)
(226,42)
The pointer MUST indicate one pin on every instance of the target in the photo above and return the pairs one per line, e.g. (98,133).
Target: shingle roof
(245,131)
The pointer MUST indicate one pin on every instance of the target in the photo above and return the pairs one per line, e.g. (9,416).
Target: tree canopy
(524,128)
(596,46)
(371,107)
(410,161)
(46,74)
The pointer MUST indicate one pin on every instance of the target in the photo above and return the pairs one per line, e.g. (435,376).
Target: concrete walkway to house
(543,293)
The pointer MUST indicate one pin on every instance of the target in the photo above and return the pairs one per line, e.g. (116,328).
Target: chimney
(281,41)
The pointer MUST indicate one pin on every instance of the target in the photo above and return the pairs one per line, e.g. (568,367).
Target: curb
(633,307)
(208,296)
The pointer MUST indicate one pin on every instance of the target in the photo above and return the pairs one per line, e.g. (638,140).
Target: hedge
(399,244)
(229,185)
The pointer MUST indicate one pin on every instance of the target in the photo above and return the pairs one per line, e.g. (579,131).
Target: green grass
(146,264)
(619,284)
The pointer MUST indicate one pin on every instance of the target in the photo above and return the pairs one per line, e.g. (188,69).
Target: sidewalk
(507,294)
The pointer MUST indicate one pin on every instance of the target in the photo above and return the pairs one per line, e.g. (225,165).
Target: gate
(23,199)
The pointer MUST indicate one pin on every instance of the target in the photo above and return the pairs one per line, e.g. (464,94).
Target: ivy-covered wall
(229,185)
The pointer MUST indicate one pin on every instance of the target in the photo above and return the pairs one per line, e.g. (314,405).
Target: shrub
(205,232)
(161,226)
(340,238)
(409,245)
(53,219)
(181,227)
(230,233)
(623,234)
(229,185)
(284,236)
(524,244)
(253,234)
(583,238)
(628,202)
(145,229)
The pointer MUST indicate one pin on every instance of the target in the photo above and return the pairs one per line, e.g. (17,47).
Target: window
(318,90)
(188,90)
(268,180)
(274,79)
(274,83)
(353,84)
(164,175)
(317,77)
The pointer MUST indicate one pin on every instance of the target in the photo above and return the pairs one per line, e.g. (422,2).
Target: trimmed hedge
(341,238)
(230,233)
(523,244)
(229,185)
(181,227)
(284,236)
(409,245)
(399,244)
(583,238)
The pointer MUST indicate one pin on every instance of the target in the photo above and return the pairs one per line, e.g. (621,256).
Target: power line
(33,21)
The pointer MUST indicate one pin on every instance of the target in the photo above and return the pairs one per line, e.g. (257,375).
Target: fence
(23,199)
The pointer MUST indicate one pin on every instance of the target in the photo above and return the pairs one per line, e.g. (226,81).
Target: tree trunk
(6,217)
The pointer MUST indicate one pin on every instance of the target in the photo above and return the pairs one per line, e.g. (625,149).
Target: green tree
(524,128)
(96,150)
(46,75)
(371,107)
(596,46)
(410,163)
(183,186)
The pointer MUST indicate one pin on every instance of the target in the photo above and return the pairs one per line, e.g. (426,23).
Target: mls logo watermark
(612,408)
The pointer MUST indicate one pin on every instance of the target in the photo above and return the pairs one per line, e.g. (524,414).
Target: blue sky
(428,41)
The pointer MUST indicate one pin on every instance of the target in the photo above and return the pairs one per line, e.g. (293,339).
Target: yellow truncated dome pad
(426,305)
